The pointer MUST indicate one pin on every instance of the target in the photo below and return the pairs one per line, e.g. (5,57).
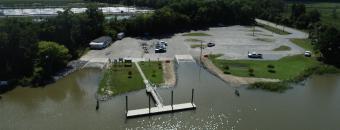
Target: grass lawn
(282,48)
(196,34)
(193,40)
(326,11)
(303,43)
(117,80)
(153,71)
(284,69)
(274,30)
(198,45)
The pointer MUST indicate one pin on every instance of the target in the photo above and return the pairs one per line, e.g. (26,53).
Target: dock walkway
(160,108)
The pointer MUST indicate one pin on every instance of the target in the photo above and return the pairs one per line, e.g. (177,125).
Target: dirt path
(169,73)
(234,80)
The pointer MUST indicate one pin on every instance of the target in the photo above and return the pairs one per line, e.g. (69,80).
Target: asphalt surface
(234,42)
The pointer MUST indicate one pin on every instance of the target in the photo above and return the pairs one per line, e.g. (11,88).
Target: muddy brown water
(70,104)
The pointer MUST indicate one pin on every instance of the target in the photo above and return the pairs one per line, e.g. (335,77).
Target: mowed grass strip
(193,40)
(282,48)
(120,79)
(284,69)
(303,43)
(198,45)
(272,29)
(196,34)
(153,71)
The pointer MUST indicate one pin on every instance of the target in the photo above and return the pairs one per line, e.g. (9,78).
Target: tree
(313,16)
(334,14)
(329,45)
(51,57)
(297,11)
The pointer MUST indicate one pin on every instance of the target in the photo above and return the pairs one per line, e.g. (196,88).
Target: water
(70,104)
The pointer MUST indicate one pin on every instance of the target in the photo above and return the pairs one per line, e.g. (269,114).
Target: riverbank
(234,80)
(124,77)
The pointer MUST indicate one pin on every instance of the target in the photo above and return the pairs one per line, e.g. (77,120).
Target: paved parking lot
(234,42)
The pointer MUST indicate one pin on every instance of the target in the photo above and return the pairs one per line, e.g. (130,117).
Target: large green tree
(329,45)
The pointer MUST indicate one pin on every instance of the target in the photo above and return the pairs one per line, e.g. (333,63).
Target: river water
(70,104)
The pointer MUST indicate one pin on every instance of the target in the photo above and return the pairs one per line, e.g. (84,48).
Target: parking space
(234,42)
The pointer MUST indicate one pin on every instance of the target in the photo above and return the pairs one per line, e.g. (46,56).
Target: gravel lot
(233,41)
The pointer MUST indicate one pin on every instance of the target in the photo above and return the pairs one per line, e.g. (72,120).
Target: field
(120,79)
(326,10)
(286,68)
(153,71)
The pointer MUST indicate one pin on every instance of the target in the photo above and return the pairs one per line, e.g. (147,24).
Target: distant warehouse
(101,42)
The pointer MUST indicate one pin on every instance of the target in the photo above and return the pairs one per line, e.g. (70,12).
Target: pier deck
(158,110)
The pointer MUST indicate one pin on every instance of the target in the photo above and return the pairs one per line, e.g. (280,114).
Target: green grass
(196,34)
(265,39)
(274,30)
(284,69)
(193,40)
(303,43)
(282,48)
(116,79)
(153,71)
(326,9)
(198,45)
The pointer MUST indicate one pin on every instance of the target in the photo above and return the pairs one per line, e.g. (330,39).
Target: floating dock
(159,110)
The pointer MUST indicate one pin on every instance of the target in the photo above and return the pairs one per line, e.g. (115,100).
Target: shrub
(130,73)
(251,74)
(226,72)
(270,86)
(251,70)
(226,67)
(153,75)
(271,66)
(271,71)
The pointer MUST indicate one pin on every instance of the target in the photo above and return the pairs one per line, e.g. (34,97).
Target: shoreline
(169,73)
(233,80)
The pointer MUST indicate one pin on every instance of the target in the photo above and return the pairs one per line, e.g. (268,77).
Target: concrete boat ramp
(160,108)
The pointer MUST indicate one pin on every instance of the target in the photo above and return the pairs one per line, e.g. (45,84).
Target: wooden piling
(172,100)
(192,96)
(149,105)
(126,104)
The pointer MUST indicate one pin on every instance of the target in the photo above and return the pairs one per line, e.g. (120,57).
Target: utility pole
(201,52)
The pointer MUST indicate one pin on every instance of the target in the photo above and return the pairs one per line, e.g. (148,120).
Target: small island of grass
(125,77)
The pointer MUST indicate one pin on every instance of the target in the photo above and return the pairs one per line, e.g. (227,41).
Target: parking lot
(234,42)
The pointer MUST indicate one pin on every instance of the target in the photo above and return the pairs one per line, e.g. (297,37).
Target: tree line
(31,51)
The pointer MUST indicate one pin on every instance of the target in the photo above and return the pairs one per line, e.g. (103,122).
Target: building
(120,35)
(101,42)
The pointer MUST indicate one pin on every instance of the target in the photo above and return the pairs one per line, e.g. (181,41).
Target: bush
(270,66)
(226,67)
(251,74)
(251,70)
(271,71)
(130,73)
(270,86)
(226,72)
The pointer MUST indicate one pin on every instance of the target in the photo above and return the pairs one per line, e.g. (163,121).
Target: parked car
(160,48)
(164,43)
(101,42)
(210,44)
(254,55)
(308,54)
